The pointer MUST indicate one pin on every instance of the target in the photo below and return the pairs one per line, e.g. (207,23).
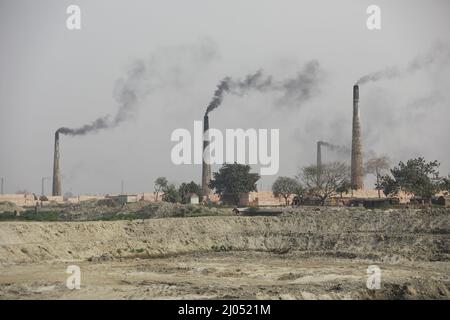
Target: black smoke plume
(439,53)
(335,148)
(294,91)
(144,75)
(127,99)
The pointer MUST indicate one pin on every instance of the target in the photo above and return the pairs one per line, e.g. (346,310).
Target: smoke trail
(425,102)
(217,99)
(142,78)
(335,148)
(437,54)
(256,81)
(294,91)
(126,94)
(345,151)
(303,87)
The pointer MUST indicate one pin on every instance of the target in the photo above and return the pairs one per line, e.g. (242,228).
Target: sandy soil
(230,275)
(300,255)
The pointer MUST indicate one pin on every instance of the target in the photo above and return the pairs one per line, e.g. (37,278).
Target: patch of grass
(30,215)
(253,209)
(92,214)
(138,250)
(124,216)
(221,248)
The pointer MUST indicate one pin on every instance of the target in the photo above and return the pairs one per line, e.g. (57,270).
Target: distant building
(194,198)
(125,198)
(444,201)
(374,202)
(262,198)
(151,196)
(22,200)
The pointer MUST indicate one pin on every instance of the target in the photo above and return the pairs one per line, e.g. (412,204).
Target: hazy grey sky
(52,77)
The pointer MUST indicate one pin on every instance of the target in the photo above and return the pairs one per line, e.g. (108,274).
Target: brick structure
(262,198)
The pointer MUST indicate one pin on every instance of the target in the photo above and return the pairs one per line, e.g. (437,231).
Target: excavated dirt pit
(303,254)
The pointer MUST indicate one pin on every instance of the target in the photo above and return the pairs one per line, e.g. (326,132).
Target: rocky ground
(302,254)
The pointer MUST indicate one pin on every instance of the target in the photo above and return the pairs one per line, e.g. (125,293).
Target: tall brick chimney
(56,191)
(319,155)
(357,175)
(206,168)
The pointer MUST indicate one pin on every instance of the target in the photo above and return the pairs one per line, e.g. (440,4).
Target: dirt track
(301,255)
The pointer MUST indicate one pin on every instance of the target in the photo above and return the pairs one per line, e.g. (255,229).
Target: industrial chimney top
(355,92)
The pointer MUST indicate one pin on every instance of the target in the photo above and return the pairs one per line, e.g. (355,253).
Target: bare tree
(285,187)
(378,167)
(160,184)
(324,181)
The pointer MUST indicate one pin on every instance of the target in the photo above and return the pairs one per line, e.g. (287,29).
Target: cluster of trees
(171,193)
(232,180)
(416,177)
(229,182)
(320,182)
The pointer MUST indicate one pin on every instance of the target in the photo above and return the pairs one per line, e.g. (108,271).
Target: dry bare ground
(302,254)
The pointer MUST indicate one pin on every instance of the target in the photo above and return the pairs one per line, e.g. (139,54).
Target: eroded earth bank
(307,253)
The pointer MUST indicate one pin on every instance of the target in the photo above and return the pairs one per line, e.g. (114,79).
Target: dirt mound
(378,235)
(8,207)
(110,209)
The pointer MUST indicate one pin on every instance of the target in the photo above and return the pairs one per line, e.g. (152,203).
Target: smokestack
(319,155)
(56,170)
(206,168)
(2,186)
(357,175)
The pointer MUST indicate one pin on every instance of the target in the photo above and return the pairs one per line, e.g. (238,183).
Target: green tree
(160,184)
(322,182)
(232,180)
(389,186)
(171,194)
(344,187)
(285,187)
(445,184)
(377,166)
(417,177)
(186,189)
(300,191)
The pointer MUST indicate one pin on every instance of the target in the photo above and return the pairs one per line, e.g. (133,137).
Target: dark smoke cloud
(257,81)
(439,53)
(303,87)
(294,91)
(126,95)
(425,102)
(98,124)
(217,99)
(344,150)
(335,148)
(144,75)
